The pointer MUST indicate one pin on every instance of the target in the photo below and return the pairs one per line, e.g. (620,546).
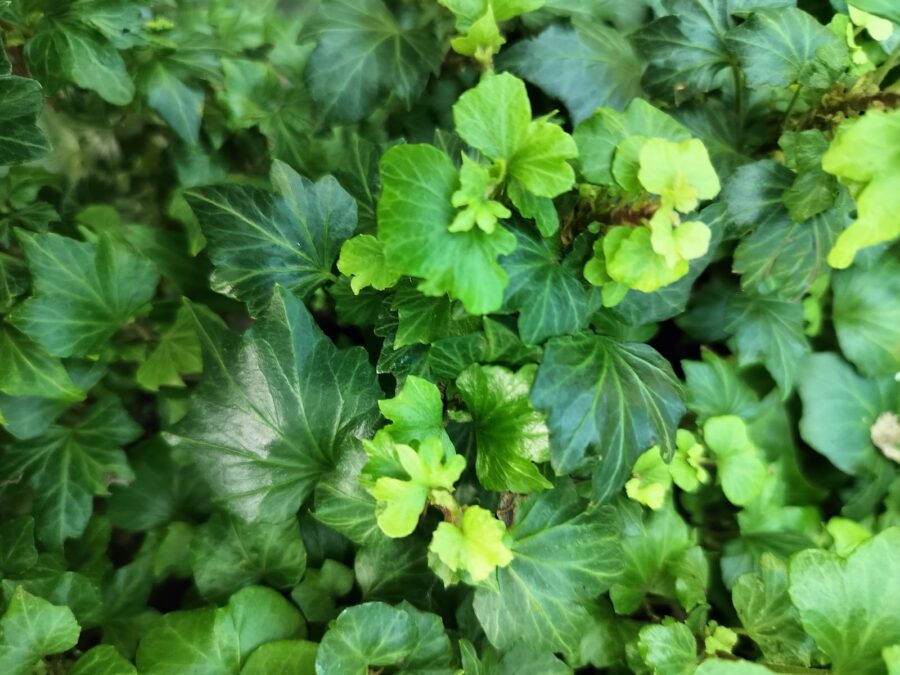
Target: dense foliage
(482,337)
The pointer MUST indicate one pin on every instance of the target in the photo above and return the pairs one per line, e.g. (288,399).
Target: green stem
(794,98)
(739,102)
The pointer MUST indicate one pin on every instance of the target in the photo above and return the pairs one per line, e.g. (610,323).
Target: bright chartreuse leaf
(83,293)
(263,453)
(766,613)
(606,402)
(471,549)
(67,466)
(536,152)
(627,256)
(32,628)
(362,51)
(786,46)
(402,479)
(21,139)
(27,370)
(680,173)
(228,554)
(510,435)
(477,183)
(103,660)
(865,154)
(416,412)
(176,354)
(850,606)
(650,481)
(563,555)
(257,239)
(669,647)
(586,67)
(414,216)
(686,467)
(202,641)
(546,288)
(883,8)
(362,258)
(740,468)
(375,634)
(770,331)
(839,409)
(282,657)
(866,315)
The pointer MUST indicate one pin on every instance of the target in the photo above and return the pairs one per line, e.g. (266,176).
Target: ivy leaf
(268,658)
(177,353)
(376,634)
(609,398)
(866,315)
(67,467)
(261,614)
(536,151)
(180,104)
(883,8)
(715,387)
(839,408)
(32,628)
(203,641)
(228,554)
(102,660)
(263,453)
(563,555)
(669,647)
(27,370)
(546,289)
(588,67)
(362,258)
(414,214)
(769,330)
(509,433)
(83,293)
(416,412)
(363,50)
(766,613)
(780,47)
(475,547)
(257,239)
(71,50)
(849,606)
(21,139)
(741,470)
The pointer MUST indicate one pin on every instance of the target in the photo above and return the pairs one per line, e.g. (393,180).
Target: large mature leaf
(414,214)
(362,51)
(866,315)
(375,634)
(509,433)
(257,239)
(669,648)
(588,67)
(200,641)
(32,628)
(27,370)
(547,290)
(102,660)
(21,139)
(606,402)
(275,410)
(850,607)
(779,47)
(83,293)
(769,330)
(564,556)
(883,8)
(839,408)
(67,467)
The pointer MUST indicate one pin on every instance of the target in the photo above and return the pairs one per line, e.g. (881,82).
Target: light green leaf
(102,660)
(723,667)
(282,657)
(362,51)
(680,173)
(257,239)
(228,554)
(178,353)
(608,398)
(475,548)
(362,259)
(27,370)
(263,453)
(741,470)
(32,628)
(850,606)
(780,47)
(67,467)
(866,315)
(261,615)
(83,293)
(563,555)
(766,613)
(651,480)
(414,214)
(416,412)
(509,433)
(668,648)
(883,8)
(198,641)
(21,139)
(546,289)
(588,67)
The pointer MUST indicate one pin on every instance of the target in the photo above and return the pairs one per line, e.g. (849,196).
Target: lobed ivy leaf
(21,139)
(32,628)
